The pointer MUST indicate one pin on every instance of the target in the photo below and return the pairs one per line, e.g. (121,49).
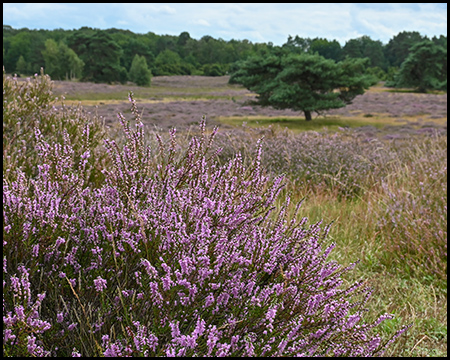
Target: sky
(258,23)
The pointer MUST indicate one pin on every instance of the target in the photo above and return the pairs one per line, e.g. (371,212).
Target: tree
(134,46)
(297,45)
(16,46)
(327,49)
(425,68)
(51,58)
(139,72)
(21,66)
(100,54)
(72,64)
(213,70)
(363,47)
(305,82)
(397,49)
(61,62)
(167,62)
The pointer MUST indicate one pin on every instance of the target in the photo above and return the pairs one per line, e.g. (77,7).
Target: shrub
(30,104)
(173,254)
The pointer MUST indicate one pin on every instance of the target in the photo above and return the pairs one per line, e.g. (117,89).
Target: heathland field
(181,101)
(94,225)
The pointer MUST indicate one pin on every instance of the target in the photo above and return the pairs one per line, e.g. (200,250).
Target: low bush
(31,104)
(172,254)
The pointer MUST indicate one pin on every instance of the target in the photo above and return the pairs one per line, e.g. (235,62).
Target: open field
(376,170)
(180,101)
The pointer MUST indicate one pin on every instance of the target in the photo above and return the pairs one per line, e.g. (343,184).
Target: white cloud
(202,22)
(257,22)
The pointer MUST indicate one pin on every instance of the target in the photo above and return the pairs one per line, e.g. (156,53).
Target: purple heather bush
(172,254)
(31,104)
(341,162)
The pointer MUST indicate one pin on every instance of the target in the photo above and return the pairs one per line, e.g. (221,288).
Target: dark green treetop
(100,54)
(303,82)
(425,68)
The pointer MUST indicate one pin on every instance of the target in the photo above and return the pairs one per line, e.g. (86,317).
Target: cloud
(202,22)
(257,22)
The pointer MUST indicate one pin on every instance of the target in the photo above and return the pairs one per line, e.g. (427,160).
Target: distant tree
(327,49)
(167,62)
(72,65)
(363,47)
(398,48)
(425,68)
(61,62)
(297,44)
(353,49)
(134,46)
(213,70)
(183,38)
(100,54)
(441,40)
(52,60)
(21,66)
(139,72)
(377,72)
(305,82)
(17,45)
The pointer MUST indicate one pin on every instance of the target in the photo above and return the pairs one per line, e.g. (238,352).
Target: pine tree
(303,82)
(425,68)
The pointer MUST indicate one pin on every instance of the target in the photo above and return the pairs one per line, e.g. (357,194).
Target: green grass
(299,124)
(412,300)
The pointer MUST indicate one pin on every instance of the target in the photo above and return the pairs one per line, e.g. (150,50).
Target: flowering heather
(172,254)
(340,162)
(31,104)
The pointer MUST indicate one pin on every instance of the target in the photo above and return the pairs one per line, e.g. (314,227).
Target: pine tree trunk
(308,115)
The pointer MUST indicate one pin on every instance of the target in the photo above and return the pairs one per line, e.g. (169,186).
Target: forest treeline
(115,55)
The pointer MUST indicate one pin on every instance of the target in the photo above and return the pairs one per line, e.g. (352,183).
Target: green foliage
(100,54)
(132,46)
(327,49)
(425,68)
(363,47)
(390,76)
(15,47)
(21,66)
(309,83)
(61,62)
(213,70)
(108,54)
(377,72)
(168,62)
(139,72)
(397,49)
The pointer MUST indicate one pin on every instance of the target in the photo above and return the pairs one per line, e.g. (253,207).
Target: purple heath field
(182,220)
